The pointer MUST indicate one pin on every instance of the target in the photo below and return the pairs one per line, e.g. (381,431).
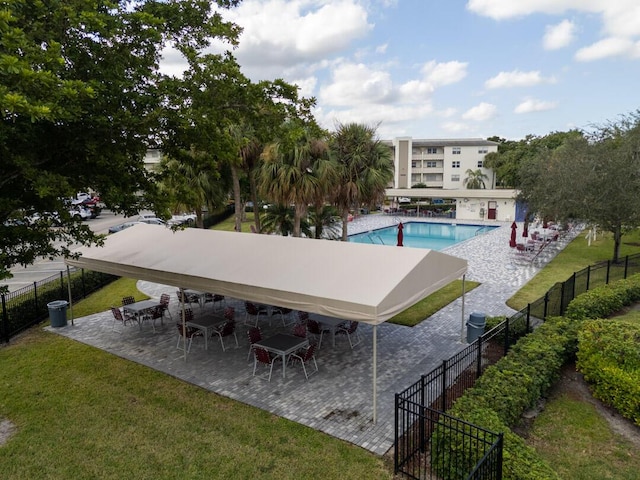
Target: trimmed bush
(601,302)
(609,358)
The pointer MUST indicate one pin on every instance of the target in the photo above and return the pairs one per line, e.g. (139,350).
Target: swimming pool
(435,236)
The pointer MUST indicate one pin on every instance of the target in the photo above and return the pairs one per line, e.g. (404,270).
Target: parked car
(404,200)
(122,226)
(82,212)
(152,221)
(183,219)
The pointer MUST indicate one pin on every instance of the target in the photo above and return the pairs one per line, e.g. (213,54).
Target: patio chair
(215,298)
(255,335)
(283,312)
(303,317)
(351,331)
(262,356)
(305,357)
(184,298)
(122,318)
(314,329)
(153,315)
(226,329)
(165,299)
(300,330)
(128,300)
(253,310)
(187,332)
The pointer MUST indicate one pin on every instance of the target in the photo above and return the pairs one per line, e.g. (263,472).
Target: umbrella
(512,242)
(400,235)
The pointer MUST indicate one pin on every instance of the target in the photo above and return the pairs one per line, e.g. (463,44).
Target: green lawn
(576,256)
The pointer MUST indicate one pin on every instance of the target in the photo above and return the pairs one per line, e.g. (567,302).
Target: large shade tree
(79,107)
(593,177)
(365,168)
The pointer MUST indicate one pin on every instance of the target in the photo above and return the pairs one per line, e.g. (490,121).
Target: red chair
(255,335)
(123,318)
(263,357)
(284,312)
(304,357)
(314,329)
(351,331)
(186,332)
(128,300)
(156,313)
(215,298)
(300,330)
(165,299)
(227,329)
(253,310)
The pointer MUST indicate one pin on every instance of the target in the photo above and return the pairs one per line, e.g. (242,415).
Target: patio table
(196,293)
(138,309)
(207,324)
(329,324)
(282,344)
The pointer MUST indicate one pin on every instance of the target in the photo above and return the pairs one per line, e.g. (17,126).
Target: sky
(448,68)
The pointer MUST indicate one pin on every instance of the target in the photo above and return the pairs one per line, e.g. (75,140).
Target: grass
(433,303)
(109,296)
(82,413)
(595,449)
(573,258)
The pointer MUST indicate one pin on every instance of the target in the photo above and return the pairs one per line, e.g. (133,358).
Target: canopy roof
(367,283)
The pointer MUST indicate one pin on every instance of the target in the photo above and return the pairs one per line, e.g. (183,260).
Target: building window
(416,163)
(456,150)
(432,164)
(432,150)
(483,150)
(455,164)
(416,178)
(433,177)
(455,178)
(480,163)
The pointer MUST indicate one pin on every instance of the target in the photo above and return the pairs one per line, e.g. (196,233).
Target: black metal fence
(441,387)
(429,438)
(27,306)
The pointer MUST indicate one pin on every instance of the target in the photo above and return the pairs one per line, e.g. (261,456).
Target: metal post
(608,270)
(588,278)
(479,358)
(375,373)
(462,320)
(5,320)
(444,385)
(626,265)
(69,291)
(528,317)
(423,440)
(546,305)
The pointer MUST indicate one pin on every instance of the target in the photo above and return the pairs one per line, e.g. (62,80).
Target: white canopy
(353,281)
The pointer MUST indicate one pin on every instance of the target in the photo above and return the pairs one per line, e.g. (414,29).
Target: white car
(183,219)
(404,200)
(83,213)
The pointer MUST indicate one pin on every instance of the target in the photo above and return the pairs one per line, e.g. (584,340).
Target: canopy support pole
(375,374)
(462,319)
(69,290)
(184,324)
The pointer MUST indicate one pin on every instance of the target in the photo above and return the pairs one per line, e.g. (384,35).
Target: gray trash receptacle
(58,313)
(475,326)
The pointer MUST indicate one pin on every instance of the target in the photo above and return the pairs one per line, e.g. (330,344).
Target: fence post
(5,320)
(561,298)
(529,317)
(62,295)
(608,269)
(588,277)
(423,441)
(479,358)
(626,265)
(546,305)
(573,289)
(444,386)
(506,335)
(395,450)
(35,295)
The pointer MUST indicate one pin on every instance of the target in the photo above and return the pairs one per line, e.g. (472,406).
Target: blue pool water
(435,236)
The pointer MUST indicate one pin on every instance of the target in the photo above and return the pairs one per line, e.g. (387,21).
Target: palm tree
(291,172)
(280,219)
(475,179)
(365,168)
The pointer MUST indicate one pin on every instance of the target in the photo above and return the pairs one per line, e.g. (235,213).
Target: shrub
(609,358)
(601,302)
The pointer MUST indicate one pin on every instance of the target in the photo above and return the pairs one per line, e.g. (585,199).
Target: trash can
(58,313)
(475,326)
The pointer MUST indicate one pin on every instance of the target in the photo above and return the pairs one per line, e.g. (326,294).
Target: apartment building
(439,163)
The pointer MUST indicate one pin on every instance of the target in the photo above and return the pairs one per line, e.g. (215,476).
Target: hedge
(516,382)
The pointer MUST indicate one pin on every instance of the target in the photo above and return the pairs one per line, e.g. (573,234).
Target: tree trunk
(254,198)
(199,218)
(319,217)
(236,198)
(298,212)
(345,218)
(617,240)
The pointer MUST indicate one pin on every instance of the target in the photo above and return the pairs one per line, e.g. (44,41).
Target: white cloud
(438,74)
(284,32)
(455,127)
(483,111)
(533,105)
(609,47)
(516,78)
(382,48)
(354,84)
(306,86)
(559,36)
